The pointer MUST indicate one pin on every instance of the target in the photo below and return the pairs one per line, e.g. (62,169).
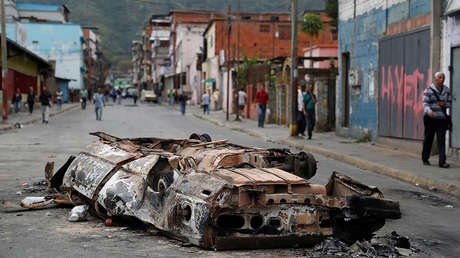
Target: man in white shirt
(301,122)
(241,100)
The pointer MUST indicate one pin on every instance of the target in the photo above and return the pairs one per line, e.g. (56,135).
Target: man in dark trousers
(31,100)
(262,101)
(301,123)
(45,99)
(436,100)
(309,102)
(182,98)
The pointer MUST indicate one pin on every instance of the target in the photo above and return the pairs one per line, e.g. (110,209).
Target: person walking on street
(135,95)
(205,100)
(114,95)
(171,97)
(262,101)
(99,103)
(31,100)
(45,100)
(83,98)
(436,100)
(59,95)
(182,98)
(309,102)
(17,99)
(301,122)
(241,101)
(119,96)
(106,95)
(72,95)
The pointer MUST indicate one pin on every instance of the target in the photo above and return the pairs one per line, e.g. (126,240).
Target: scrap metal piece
(222,196)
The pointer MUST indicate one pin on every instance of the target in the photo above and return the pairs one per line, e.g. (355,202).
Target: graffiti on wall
(404,74)
(403,94)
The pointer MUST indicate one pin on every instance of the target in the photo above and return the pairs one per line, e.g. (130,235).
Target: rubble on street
(218,195)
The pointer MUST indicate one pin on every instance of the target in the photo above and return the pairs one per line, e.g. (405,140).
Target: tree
(243,70)
(332,11)
(247,64)
(311,25)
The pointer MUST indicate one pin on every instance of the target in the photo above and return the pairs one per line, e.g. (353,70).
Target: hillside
(121,21)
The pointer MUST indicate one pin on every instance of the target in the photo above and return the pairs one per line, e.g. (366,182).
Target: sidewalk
(378,158)
(24,118)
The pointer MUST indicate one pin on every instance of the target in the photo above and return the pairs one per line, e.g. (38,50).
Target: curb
(402,175)
(38,119)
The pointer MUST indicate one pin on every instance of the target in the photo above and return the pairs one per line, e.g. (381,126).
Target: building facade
(63,44)
(92,55)
(25,70)
(270,39)
(384,67)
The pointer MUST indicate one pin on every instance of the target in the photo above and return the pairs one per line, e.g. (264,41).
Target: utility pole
(238,64)
(229,30)
(292,90)
(4,64)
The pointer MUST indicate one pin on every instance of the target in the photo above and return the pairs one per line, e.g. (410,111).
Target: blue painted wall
(60,42)
(371,24)
(10,30)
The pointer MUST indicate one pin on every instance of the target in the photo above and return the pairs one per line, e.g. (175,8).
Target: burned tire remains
(219,195)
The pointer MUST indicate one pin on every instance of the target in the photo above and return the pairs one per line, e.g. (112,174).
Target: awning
(453,8)
(210,80)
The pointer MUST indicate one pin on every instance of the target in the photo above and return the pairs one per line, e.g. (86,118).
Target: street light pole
(229,30)
(293,87)
(238,66)
(4,64)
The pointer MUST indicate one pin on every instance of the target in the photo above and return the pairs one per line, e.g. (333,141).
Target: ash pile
(390,245)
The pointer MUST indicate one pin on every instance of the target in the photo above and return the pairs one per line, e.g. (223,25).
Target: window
(264,28)
(184,78)
(274,18)
(284,32)
(246,17)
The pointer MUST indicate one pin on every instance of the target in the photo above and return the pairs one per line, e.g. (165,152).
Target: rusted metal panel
(404,64)
(86,173)
(239,177)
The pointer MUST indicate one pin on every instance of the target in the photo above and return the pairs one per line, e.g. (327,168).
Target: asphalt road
(430,220)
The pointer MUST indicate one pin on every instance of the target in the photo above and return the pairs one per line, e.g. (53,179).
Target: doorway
(345,90)
(455,88)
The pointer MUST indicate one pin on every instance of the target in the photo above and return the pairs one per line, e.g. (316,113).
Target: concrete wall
(321,51)
(451,38)
(60,42)
(189,41)
(361,24)
(54,16)
(10,10)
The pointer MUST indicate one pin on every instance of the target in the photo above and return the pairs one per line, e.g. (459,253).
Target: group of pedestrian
(44,98)
(306,117)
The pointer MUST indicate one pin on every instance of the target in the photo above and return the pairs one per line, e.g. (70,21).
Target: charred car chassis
(219,195)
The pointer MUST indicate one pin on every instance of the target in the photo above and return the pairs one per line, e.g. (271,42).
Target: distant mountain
(121,21)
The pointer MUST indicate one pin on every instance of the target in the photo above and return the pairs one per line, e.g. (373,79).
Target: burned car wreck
(218,195)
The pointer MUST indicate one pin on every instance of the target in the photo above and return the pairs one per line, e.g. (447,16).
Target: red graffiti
(401,102)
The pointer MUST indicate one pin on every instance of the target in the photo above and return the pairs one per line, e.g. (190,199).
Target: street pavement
(383,159)
(429,219)
(24,118)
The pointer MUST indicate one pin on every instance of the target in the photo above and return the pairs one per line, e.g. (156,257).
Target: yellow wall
(23,64)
